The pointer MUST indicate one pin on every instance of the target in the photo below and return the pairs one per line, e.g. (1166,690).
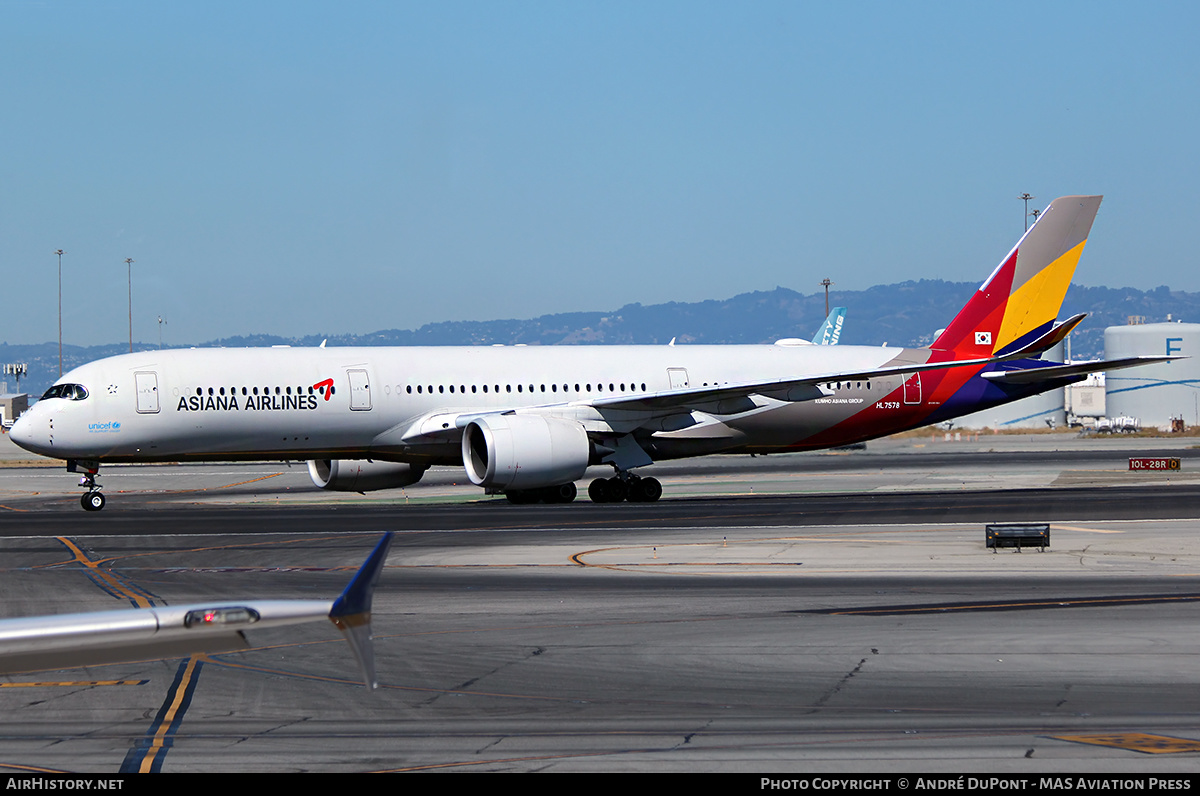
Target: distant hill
(903,314)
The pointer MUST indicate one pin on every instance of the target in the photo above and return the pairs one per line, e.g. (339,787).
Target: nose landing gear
(92,501)
(93,498)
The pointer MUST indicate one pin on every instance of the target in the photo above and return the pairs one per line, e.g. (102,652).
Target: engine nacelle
(355,475)
(524,451)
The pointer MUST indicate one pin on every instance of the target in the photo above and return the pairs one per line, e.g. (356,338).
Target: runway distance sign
(1153,463)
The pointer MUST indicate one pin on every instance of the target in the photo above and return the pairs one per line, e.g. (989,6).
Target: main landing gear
(625,486)
(93,498)
(621,487)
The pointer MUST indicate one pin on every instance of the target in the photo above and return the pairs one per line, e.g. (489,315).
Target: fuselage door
(360,390)
(147,392)
(678,377)
(912,389)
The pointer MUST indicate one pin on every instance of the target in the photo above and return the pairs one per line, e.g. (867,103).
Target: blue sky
(295,168)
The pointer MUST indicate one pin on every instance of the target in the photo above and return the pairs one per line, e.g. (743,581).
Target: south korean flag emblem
(983,338)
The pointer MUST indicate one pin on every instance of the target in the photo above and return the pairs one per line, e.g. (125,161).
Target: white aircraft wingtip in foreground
(171,631)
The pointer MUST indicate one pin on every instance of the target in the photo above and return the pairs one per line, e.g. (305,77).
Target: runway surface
(848,620)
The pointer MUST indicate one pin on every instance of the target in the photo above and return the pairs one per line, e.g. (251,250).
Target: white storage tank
(1154,393)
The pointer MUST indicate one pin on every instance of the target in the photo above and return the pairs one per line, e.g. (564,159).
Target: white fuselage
(401,404)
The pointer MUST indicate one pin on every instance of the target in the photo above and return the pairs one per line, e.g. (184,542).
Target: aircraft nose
(24,432)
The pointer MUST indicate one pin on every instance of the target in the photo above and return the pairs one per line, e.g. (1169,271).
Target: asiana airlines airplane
(528,421)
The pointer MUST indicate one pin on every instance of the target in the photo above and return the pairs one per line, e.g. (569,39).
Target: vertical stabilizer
(831,329)
(1021,299)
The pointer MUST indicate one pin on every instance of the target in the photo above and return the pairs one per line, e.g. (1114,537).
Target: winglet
(1047,341)
(351,612)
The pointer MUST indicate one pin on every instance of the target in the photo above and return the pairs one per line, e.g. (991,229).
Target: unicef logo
(116,426)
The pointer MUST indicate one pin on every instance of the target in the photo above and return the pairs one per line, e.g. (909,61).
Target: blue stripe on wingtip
(356,599)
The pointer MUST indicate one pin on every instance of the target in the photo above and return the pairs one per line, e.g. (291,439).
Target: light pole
(59,252)
(160,324)
(1027,197)
(826,283)
(17,369)
(129,266)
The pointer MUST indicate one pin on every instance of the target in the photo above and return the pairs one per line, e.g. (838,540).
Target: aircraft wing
(735,397)
(87,639)
(728,398)
(800,388)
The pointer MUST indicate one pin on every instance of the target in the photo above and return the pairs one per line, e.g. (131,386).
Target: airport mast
(129,266)
(1026,197)
(59,252)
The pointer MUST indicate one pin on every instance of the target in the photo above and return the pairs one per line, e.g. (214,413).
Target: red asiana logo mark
(325,388)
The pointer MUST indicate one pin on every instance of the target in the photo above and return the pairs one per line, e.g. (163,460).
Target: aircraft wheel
(563,493)
(598,491)
(92,501)
(521,497)
(634,487)
(644,490)
(617,490)
(651,489)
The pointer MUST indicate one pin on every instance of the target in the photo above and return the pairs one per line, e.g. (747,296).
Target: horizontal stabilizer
(1047,341)
(1054,372)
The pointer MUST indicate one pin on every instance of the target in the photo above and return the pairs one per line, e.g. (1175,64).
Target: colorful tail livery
(1019,302)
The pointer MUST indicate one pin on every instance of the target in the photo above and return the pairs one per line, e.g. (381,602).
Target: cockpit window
(71,392)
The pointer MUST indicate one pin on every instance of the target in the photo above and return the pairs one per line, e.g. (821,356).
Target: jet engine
(524,451)
(351,475)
